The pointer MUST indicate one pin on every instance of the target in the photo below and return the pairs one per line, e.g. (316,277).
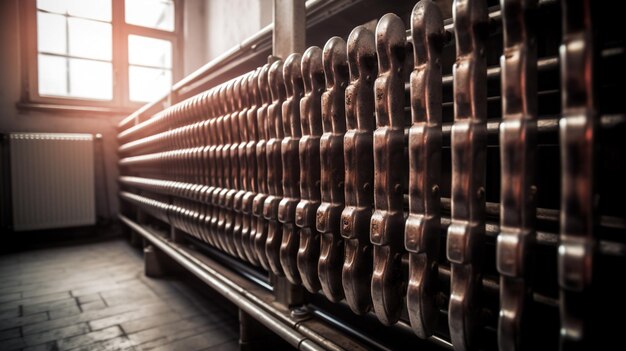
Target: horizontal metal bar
(250,44)
(544,125)
(495,15)
(258,277)
(492,228)
(544,64)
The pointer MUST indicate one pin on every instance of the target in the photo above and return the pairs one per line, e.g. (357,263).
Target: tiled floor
(96,297)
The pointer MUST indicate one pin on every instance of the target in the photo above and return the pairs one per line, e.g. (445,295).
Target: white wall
(229,22)
(195,35)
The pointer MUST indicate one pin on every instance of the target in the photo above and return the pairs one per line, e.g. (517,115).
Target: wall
(229,22)
(195,35)
(14,120)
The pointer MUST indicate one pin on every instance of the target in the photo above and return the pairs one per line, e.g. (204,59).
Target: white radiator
(52,180)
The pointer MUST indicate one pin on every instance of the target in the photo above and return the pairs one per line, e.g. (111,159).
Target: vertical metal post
(289,27)
(288,37)
(252,334)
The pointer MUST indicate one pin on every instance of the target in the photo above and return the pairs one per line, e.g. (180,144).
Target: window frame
(120,103)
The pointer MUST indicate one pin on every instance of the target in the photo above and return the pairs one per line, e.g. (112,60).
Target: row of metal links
(578,221)
(518,142)
(285,168)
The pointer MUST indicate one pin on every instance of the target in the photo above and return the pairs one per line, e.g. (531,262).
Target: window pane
(95,9)
(86,79)
(148,84)
(149,51)
(157,14)
(52,75)
(91,79)
(90,39)
(51,33)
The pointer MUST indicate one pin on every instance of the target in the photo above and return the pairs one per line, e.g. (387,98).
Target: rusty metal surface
(387,223)
(518,141)
(423,225)
(359,172)
(274,166)
(465,245)
(328,220)
(459,203)
(239,153)
(251,160)
(309,150)
(261,159)
(577,142)
(294,85)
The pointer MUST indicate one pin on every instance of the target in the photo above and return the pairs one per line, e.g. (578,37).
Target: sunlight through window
(75,48)
(77,58)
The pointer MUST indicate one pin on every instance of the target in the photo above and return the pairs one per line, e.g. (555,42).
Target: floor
(95,296)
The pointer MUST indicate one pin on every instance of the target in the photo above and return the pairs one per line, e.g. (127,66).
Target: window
(115,54)
(74,49)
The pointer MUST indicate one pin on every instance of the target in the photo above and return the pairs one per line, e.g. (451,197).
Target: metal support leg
(286,293)
(157,264)
(252,334)
(289,37)
(289,27)
(176,236)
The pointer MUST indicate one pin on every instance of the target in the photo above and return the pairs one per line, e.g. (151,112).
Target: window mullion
(68,88)
(120,54)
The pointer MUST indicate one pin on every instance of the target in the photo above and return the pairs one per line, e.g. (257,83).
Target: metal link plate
(469,146)
(423,226)
(359,164)
(332,168)
(309,149)
(387,223)
(292,74)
